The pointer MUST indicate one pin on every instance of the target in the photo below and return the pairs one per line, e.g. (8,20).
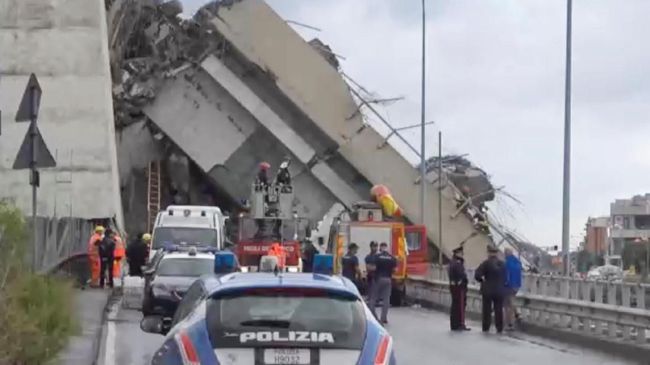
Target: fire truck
(365,223)
(270,218)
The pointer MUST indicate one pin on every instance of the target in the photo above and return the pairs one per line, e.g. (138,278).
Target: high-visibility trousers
(93,261)
(117,268)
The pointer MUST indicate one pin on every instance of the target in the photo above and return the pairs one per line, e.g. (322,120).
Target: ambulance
(181,226)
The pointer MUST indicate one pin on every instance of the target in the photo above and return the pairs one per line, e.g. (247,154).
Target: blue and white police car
(273,319)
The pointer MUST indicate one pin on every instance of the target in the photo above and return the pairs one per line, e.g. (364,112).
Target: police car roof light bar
(324,264)
(224,263)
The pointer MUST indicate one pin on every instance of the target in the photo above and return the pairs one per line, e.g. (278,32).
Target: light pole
(423,124)
(566,190)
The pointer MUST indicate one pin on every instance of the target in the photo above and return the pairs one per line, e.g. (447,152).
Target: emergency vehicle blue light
(224,263)
(323,264)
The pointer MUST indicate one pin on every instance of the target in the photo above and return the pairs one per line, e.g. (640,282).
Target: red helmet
(265,165)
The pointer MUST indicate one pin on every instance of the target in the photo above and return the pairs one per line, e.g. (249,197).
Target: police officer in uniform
(458,288)
(350,264)
(381,288)
(492,276)
(370,261)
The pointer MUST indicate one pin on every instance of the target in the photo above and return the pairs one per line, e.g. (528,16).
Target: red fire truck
(270,218)
(255,237)
(366,223)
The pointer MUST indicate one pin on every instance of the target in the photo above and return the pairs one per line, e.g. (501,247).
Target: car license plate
(287,357)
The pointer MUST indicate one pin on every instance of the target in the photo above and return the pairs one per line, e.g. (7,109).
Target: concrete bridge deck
(421,337)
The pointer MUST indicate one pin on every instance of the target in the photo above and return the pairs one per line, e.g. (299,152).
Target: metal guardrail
(617,293)
(74,266)
(606,321)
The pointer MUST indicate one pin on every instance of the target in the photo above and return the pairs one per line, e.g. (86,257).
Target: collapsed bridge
(198,103)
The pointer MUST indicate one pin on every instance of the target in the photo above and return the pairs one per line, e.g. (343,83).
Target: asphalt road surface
(421,337)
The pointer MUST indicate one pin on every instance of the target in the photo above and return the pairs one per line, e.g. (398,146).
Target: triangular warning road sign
(25,111)
(43,156)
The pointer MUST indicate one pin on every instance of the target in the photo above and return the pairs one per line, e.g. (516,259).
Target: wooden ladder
(153,194)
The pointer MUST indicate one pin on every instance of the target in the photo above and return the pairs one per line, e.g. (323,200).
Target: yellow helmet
(146,237)
(99,229)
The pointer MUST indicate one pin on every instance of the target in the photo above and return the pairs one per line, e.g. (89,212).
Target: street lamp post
(566,191)
(423,124)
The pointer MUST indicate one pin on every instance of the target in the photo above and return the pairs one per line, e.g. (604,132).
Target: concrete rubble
(189,81)
(152,44)
(470,179)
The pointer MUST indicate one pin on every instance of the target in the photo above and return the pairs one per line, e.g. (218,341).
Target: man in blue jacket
(513,284)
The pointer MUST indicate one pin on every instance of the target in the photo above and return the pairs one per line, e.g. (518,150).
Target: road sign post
(33,152)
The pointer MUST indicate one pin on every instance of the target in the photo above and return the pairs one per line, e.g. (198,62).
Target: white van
(188,225)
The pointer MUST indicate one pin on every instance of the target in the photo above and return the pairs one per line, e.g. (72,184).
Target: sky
(495,88)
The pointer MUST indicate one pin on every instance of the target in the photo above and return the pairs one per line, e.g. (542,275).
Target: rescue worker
(513,284)
(136,255)
(350,264)
(283,176)
(385,264)
(106,247)
(93,255)
(119,254)
(263,175)
(370,266)
(278,251)
(146,239)
(492,276)
(458,289)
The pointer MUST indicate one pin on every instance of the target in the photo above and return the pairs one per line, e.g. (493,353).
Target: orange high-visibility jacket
(120,250)
(278,251)
(93,258)
(93,251)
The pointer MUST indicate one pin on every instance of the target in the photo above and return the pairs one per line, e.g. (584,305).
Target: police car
(169,279)
(274,318)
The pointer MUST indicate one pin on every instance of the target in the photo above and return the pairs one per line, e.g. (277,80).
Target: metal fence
(618,293)
(58,239)
(606,321)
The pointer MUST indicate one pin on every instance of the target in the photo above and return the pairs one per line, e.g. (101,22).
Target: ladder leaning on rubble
(153,193)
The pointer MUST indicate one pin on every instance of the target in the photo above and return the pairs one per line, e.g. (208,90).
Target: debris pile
(470,179)
(150,42)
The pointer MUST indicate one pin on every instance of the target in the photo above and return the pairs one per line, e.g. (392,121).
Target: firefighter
(263,175)
(458,289)
(93,255)
(106,248)
(492,276)
(119,254)
(146,239)
(283,176)
(136,255)
(385,264)
(278,251)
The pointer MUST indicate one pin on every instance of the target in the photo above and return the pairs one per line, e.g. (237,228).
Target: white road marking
(109,354)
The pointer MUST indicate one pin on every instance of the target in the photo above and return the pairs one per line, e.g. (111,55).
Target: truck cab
(188,225)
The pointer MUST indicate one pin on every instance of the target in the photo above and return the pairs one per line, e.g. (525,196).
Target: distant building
(630,221)
(597,238)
